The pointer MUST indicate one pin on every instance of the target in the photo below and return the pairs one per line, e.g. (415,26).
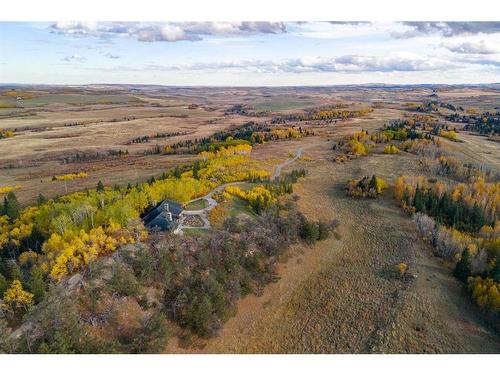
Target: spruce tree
(477,217)
(100,186)
(418,200)
(495,272)
(41,199)
(11,206)
(196,170)
(36,284)
(463,268)
(177,172)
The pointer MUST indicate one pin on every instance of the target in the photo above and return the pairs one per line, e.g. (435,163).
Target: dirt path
(342,296)
(279,167)
(212,203)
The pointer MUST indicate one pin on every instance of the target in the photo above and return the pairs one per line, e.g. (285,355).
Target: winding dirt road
(212,203)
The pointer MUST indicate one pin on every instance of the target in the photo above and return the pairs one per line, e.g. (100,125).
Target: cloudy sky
(249,53)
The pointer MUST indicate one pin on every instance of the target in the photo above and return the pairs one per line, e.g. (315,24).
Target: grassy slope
(341,296)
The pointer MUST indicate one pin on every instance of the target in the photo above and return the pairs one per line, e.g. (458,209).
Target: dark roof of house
(160,222)
(157,217)
(173,207)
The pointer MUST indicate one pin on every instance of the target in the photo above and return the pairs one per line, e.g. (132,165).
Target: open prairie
(52,126)
(334,295)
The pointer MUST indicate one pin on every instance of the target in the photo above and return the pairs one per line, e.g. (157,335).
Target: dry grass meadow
(338,296)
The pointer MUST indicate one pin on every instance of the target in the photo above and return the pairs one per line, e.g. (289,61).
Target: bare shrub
(426,225)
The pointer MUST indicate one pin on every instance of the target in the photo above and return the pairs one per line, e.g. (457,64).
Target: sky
(249,53)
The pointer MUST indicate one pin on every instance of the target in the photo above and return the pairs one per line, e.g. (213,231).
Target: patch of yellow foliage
(391,149)
(71,176)
(8,189)
(485,292)
(16,298)
(448,134)
(358,148)
(6,134)
(258,197)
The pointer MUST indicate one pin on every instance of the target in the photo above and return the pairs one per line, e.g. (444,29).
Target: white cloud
(111,56)
(472,47)
(74,58)
(447,29)
(165,32)
(75,28)
(346,64)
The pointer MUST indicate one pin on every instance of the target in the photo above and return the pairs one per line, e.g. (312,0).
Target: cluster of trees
(446,165)
(486,123)
(486,293)
(366,187)
(239,109)
(284,184)
(8,189)
(6,133)
(339,114)
(9,208)
(249,133)
(401,130)
(82,157)
(391,149)
(450,134)
(451,106)
(239,149)
(261,133)
(466,207)
(227,165)
(427,107)
(322,114)
(463,224)
(46,242)
(69,176)
(359,147)
(92,321)
(259,197)
(404,131)
(477,257)
(428,146)
(147,138)
(199,281)
(204,284)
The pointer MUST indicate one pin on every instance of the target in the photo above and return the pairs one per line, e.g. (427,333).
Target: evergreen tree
(4,284)
(177,172)
(196,169)
(11,206)
(36,284)
(373,184)
(41,199)
(100,186)
(463,268)
(495,272)
(15,272)
(477,217)
(201,313)
(418,200)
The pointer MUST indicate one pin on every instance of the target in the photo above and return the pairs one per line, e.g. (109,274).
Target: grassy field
(281,104)
(198,204)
